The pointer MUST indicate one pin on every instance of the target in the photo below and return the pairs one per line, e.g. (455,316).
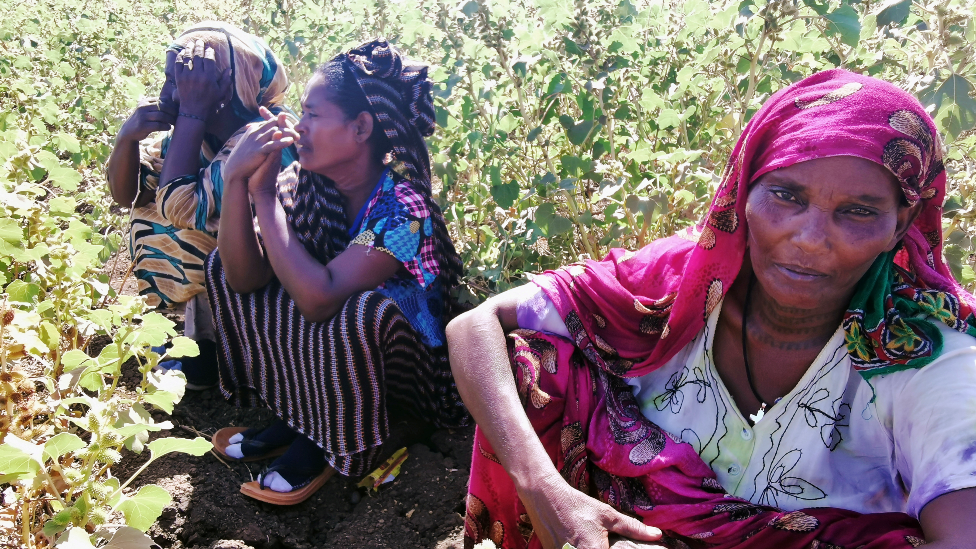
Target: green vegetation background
(565,128)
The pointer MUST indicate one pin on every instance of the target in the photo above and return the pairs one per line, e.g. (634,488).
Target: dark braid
(396,91)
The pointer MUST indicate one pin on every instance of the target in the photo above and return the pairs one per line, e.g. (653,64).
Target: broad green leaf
(73,358)
(133,429)
(11,231)
(183,346)
(49,334)
(195,447)
(669,118)
(506,194)
(955,108)
(23,292)
(15,460)
(893,12)
(62,205)
(165,400)
(559,225)
(68,143)
(142,509)
(62,443)
(845,22)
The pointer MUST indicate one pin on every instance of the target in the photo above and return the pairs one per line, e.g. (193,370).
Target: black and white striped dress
(331,381)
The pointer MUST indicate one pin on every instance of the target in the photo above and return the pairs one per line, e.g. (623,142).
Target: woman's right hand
(254,147)
(146,119)
(560,514)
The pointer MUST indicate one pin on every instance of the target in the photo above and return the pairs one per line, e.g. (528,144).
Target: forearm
(307,281)
(183,154)
(483,373)
(122,171)
(245,266)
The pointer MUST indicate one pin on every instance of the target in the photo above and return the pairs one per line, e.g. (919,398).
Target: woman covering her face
(332,313)
(217,76)
(798,370)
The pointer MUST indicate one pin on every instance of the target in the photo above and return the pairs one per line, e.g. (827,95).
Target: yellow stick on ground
(389,468)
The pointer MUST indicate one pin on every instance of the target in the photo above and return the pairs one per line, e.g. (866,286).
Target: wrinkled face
(817,226)
(328,140)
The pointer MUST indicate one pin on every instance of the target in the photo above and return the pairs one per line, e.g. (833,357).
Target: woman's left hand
(200,84)
(256,158)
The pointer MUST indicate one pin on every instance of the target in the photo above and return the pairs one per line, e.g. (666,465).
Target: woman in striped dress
(329,303)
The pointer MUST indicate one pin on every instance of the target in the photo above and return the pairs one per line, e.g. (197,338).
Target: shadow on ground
(423,507)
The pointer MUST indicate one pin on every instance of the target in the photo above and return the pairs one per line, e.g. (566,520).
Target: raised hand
(256,157)
(201,86)
(146,119)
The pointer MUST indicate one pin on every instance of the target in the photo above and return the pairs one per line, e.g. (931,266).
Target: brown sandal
(254,489)
(221,440)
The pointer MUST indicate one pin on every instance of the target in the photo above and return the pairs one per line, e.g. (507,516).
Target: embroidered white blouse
(833,441)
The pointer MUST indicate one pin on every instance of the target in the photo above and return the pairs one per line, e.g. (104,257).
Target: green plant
(565,127)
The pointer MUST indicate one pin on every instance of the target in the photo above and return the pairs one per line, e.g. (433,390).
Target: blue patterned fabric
(398,222)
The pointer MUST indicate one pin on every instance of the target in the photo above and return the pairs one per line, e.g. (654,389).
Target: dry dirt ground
(422,508)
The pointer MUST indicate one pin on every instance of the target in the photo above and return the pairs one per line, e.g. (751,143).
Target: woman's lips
(800,274)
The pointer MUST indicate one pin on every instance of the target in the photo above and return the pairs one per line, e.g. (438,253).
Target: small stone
(355,497)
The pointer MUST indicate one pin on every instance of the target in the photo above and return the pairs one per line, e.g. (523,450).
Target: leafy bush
(566,127)
(64,331)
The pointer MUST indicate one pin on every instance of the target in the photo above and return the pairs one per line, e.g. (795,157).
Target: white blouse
(835,440)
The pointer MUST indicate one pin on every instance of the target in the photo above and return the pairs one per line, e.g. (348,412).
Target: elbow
(456,327)
(241,283)
(315,306)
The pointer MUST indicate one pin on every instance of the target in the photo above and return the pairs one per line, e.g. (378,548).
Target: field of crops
(564,129)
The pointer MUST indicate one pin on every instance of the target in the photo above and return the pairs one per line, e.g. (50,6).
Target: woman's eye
(784,195)
(860,212)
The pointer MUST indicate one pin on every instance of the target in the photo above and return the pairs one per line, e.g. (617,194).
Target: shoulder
(948,383)
(405,193)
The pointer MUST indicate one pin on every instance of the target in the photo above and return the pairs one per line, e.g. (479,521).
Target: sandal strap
(250,446)
(308,472)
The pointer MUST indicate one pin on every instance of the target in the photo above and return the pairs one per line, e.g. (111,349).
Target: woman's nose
(810,233)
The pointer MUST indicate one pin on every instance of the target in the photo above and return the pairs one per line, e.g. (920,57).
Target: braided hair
(376,78)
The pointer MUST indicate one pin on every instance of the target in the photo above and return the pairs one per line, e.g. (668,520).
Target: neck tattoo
(745,355)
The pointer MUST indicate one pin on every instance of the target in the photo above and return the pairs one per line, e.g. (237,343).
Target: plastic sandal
(300,493)
(221,440)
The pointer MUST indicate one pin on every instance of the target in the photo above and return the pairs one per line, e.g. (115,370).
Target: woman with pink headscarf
(796,371)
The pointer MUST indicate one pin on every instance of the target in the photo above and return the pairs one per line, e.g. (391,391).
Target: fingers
(158,126)
(630,527)
(210,54)
(265,113)
(198,49)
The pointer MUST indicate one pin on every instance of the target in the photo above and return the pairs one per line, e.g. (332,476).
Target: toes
(234,451)
(276,482)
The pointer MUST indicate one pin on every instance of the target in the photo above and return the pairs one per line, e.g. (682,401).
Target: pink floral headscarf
(632,311)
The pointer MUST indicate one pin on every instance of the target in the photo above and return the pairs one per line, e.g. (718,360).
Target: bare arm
(483,373)
(200,89)
(319,291)
(257,156)
(123,164)
(245,266)
(947,521)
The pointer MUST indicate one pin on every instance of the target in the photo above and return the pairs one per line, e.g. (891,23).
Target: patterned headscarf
(633,311)
(259,78)
(399,93)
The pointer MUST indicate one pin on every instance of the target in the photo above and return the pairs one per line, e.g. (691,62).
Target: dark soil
(423,507)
